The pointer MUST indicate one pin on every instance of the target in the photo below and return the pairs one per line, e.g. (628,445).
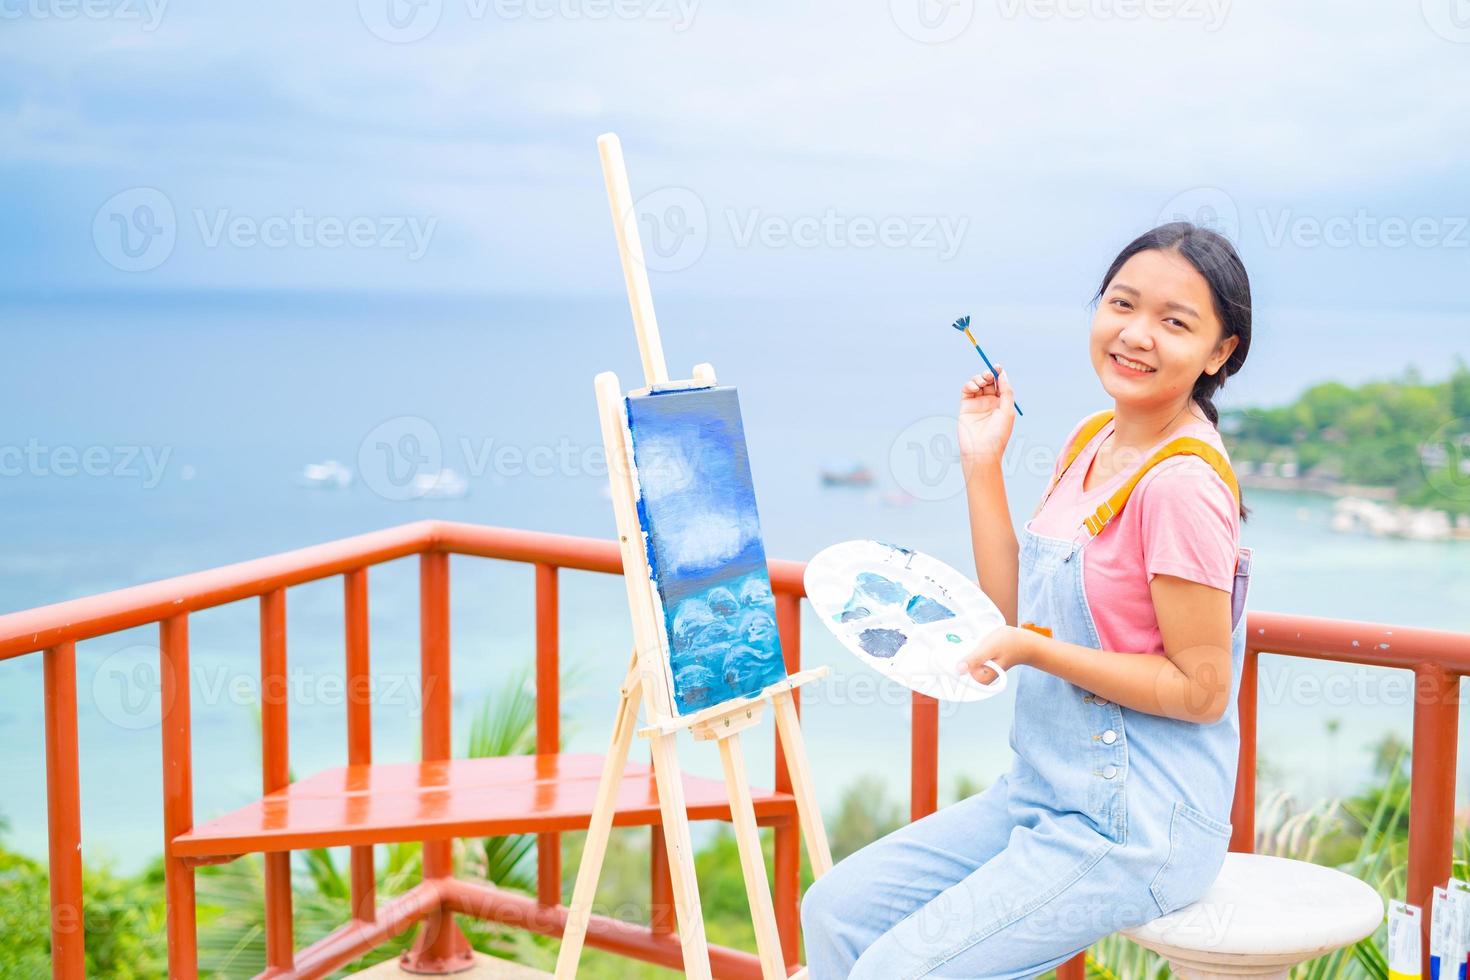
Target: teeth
(1133,364)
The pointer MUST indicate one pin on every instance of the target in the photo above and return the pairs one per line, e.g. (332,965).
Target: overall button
(1099,701)
(1110,772)
(1087,698)
(1109,737)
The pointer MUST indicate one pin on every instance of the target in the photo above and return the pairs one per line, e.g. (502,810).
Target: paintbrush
(963,326)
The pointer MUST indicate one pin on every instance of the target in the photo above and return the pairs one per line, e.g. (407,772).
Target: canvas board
(697,513)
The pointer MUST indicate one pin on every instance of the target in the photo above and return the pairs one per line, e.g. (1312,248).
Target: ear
(1222,354)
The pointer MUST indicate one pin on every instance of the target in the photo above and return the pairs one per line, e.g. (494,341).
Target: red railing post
(64,812)
(661,916)
(359,726)
(1074,969)
(439,947)
(787,856)
(923,757)
(1432,785)
(548,719)
(1243,810)
(178,795)
(280,942)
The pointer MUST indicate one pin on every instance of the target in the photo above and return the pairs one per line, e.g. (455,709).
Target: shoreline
(1366,509)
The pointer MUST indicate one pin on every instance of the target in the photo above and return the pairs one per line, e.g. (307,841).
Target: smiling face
(1158,313)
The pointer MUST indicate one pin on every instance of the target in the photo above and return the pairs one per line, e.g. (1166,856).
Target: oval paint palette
(907,615)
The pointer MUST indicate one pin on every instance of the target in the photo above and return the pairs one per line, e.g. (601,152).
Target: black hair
(1215,258)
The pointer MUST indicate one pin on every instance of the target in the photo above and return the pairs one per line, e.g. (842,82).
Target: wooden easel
(647,679)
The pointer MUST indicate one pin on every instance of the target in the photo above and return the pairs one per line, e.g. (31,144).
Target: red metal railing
(1438,659)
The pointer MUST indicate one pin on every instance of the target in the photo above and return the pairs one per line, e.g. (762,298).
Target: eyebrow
(1171,305)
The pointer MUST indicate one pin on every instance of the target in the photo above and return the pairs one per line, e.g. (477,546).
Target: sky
(1003,149)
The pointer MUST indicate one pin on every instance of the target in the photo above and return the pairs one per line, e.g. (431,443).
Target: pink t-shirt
(1181,519)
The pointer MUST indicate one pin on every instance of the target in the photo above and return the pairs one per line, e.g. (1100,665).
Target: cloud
(1055,125)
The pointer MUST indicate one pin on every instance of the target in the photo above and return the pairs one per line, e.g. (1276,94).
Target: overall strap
(1183,446)
(1090,428)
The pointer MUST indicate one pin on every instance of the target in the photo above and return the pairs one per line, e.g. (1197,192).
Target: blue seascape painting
(696,507)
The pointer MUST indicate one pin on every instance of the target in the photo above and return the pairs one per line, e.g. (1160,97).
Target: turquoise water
(199,412)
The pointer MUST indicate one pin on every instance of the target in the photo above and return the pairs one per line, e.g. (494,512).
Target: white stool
(1261,917)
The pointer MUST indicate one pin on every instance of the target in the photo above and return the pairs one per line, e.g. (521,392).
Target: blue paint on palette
(881,642)
(697,510)
(922,609)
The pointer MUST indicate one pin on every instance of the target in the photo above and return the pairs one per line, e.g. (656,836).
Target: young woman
(1128,587)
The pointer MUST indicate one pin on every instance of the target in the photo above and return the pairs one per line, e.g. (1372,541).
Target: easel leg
(752,861)
(681,857)
(600,828)
(794,748)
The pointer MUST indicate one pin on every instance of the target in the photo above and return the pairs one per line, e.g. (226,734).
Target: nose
(1136,335)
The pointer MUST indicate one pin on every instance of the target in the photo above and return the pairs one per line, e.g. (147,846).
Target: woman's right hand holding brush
(987,415)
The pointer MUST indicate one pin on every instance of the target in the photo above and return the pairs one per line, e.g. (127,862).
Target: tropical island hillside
(1396,451)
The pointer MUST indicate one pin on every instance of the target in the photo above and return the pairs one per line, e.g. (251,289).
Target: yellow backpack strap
(1090,428)
(1183,446)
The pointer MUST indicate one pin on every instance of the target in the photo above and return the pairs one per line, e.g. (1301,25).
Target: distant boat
(444,485)
(853,474)
(329,475)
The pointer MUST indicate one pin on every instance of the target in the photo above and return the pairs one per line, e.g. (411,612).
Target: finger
(976,670)
(1003,388)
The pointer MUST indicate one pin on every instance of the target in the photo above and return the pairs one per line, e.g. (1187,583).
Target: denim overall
(1108,818)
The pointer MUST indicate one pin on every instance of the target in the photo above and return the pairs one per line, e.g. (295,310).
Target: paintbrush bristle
(963,323)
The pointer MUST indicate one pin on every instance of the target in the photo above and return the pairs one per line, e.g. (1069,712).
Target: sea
(147,435)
